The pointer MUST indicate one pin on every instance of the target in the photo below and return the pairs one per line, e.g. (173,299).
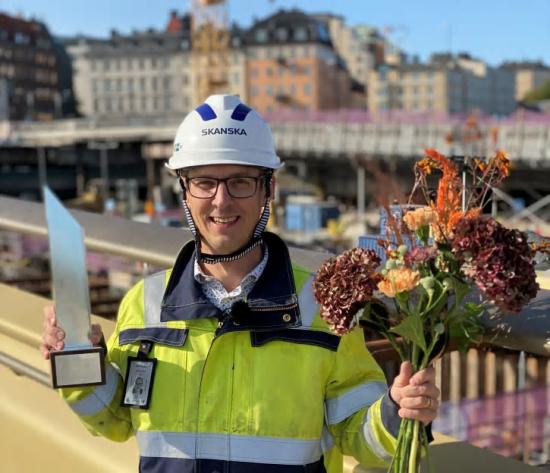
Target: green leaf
(412,330)
(461,289)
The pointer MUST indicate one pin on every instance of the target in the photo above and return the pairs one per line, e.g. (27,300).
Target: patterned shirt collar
(217,294)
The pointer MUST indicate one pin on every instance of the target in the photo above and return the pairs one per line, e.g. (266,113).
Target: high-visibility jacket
(264,388)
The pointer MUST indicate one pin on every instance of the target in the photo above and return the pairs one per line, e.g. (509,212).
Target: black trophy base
(78,368)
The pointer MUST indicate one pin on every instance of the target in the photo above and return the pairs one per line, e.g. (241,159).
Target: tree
(542,92)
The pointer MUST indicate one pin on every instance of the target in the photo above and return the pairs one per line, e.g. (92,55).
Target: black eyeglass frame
(185,180)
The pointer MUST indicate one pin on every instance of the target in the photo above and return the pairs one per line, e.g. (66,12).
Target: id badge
(139,382)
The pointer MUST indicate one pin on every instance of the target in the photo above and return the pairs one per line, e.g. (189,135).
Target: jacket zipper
(276,307)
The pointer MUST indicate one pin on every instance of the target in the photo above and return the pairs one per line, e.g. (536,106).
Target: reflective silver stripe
(341,407)
(101,397)
(372,441)
(153,291)
(308,304)
(327,441)
(280,451)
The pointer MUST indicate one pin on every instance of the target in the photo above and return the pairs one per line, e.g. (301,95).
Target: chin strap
(255,241)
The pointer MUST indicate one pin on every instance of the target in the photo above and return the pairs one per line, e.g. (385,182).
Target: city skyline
(491,30)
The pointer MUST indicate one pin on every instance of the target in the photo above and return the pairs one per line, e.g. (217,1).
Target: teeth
(224,220)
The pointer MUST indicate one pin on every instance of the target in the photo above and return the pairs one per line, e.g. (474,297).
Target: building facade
(142,74)
(529,76)
(292,65)
(452,84)
(29,69)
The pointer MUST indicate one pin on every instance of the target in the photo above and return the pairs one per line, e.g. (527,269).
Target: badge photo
(139,382)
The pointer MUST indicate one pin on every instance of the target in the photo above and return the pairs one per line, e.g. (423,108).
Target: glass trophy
(79,363)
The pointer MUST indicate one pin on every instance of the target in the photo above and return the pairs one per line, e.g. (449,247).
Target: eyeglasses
(237,187)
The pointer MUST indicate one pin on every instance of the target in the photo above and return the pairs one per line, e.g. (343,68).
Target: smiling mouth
(224,220)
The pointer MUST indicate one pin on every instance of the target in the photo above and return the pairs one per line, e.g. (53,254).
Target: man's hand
(416,395)
(53,337)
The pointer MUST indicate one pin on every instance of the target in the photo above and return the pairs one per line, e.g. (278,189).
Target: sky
(493,30)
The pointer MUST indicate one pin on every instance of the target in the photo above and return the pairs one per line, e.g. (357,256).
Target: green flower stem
(413,458)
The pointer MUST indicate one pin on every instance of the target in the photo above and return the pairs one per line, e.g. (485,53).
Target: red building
(29,67)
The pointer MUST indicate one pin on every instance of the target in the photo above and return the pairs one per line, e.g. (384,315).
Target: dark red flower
(343,286)
(498,259)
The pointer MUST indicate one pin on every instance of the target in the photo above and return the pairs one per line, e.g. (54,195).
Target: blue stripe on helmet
(206,112)
(240,112)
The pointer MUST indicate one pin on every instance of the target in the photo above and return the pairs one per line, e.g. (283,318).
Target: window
(254,91)
(92,65)
(307,89)
(130,84)
(129,64)
(106,65)
(142,84)
(236,78)
(119,85)
(107,85)
(143,104)
(154,83)
(94,86)
(185,79)
(261,36)
(282,34)
(269,90)
(300,34)
(153,63)
(166,83)
(254,72)
(21,38)
(167,104)
(268,71)
(141,63)
(292,89)
(108,107)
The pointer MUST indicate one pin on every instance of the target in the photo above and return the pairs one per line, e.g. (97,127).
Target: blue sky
(491,29)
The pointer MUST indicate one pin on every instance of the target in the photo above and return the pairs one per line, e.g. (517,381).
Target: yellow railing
(37,430)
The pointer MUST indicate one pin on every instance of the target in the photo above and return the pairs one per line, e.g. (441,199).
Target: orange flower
(502,163)
(480,165)
(420,217)
(454,218)
(399,280)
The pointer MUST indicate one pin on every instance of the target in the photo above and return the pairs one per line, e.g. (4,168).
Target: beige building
(529,76)
(356,45)
(453,84)
(142,74)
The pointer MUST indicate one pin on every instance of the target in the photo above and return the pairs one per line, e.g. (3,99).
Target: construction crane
(210,38)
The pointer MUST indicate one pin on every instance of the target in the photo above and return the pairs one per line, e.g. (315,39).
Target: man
(243,375)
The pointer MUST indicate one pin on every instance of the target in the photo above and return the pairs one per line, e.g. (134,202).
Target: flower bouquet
(446,264)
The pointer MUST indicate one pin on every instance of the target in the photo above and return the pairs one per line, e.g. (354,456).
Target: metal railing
(459,375)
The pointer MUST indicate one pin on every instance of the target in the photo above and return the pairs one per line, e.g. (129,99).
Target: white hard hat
(223,130)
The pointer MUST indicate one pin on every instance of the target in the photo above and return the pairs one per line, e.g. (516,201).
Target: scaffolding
(210,38)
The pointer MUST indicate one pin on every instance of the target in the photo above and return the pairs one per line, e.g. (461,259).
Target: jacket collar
(272,303)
